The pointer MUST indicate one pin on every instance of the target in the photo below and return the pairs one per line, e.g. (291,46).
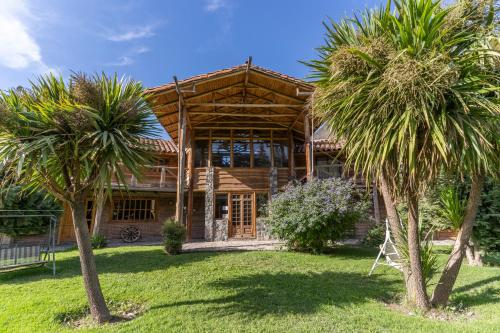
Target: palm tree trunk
(99,210)
(396,232)
(450,272)
(97,304)
(421,299)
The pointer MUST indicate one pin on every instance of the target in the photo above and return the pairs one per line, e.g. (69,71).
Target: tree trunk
(397,233)
(469,253)
(98,308)
(450,272)
(99,210)
(421,299)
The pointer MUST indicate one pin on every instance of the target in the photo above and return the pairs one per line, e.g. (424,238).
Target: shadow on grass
(128,261)
(488,293)
(261,294)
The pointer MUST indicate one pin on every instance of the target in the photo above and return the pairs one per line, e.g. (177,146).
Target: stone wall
(220,230)
(150,231)
(262,230)
(209,205)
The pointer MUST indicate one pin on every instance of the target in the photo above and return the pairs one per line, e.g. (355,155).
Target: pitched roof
(222,72)
(160,145)
(212,99)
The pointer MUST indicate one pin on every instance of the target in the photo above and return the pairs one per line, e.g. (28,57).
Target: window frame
(232,138)
(153,210)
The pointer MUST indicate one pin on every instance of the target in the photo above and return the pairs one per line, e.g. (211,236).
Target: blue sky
(153,40)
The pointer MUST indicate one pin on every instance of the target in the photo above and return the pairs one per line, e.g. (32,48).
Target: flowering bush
(312,215)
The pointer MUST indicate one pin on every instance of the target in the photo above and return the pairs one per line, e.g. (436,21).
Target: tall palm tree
(70,139)
(412,90)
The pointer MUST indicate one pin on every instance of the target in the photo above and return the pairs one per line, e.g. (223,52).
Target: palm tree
(412,91)
(70,139)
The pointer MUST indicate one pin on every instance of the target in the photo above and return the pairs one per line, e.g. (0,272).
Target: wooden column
(291,155)
(307,139)
(190,163)
(181,163)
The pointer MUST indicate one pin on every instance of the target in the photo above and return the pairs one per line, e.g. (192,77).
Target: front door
(241,215)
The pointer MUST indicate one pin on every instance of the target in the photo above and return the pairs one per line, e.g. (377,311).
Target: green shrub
(14,198)
(375,236)
(99,242)
(487,225)
(314,215)
(174,235)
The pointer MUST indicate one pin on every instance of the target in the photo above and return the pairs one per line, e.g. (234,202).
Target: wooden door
(242,215)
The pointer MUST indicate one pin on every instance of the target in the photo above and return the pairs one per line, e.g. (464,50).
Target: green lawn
(238,292)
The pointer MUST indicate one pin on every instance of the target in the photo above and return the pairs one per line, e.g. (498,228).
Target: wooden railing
(153,177)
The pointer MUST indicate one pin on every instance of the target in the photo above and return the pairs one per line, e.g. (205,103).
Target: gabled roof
(160,146)
(214,98)
(225,71)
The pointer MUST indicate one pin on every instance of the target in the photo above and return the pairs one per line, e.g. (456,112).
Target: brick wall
(150,231)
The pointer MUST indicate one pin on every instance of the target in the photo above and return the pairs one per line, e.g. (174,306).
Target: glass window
(200,153)
(221,208)
(221,153)
(133,210)
(241,133)
(241,153)
(262,153)
(261,133)
(261,202)
(327,168)
(280,154)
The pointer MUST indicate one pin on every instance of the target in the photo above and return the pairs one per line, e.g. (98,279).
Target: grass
(238,292)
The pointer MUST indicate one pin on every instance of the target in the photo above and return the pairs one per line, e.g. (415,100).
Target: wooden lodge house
(238,135)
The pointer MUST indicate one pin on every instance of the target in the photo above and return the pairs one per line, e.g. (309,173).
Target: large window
(221,153)
(201,153)
(134,210)
(280,154)
(241,153)
(241,148)
(262,153)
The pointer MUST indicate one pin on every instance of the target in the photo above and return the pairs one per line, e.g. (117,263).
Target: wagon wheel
(130,234)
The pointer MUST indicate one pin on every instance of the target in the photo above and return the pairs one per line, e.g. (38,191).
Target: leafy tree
(14,198)
(411,90)
(312,215)
(486,231)
(69,139)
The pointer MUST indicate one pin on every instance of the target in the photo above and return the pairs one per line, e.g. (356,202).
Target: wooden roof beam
(242,105)
(181,100)
(284,115)
(186,98)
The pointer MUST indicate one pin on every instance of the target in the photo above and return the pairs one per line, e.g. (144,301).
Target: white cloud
(215,5)
(122,61)
(141,50)
(134,33)
(18,47)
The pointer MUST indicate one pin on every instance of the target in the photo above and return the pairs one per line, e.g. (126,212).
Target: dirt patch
(450,313)
(120,311)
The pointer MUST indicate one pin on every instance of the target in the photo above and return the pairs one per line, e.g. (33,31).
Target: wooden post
(291,155)
(190,162)
(307,139)
(163,175)
(181,163)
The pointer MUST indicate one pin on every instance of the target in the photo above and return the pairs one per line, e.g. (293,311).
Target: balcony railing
(156,178)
